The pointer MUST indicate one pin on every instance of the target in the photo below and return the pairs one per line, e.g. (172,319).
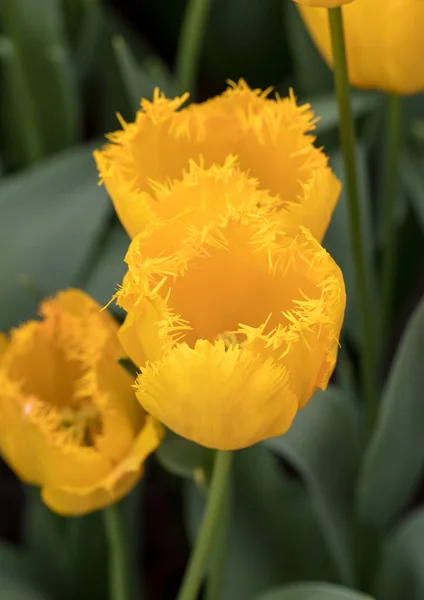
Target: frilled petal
(273,298)
(271,139)
(121,479)
(384,43)
(69,415)
(220,397)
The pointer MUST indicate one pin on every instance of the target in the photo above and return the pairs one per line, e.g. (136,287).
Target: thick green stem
(190,43)
(347,137)
(210,525)
(118,580)
(391,184)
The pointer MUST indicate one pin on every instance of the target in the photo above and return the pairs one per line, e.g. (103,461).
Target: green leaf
(46,112)
(402,563)
(138,82)
(110,268)
(314,591)
(395,458)
(323,445)
(59,212)
(70,553)
(337,238)
(273,535)
(411,169)
(19,579)
(325,107)
(183,457)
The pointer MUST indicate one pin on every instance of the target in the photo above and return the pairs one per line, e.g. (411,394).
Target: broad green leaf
(411,172)
(325,107)
(323,445)
(45,536)
(401,572)
(273,536)
(184,458)
(44,85)
(314,591)
(109,268)
(138,82)
(19,579)
(337,238)
(69,553)
(53,216)
(395,458)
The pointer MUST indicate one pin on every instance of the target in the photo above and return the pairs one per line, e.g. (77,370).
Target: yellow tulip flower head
(235,318)
(69,419)
(271,139)
(384,42)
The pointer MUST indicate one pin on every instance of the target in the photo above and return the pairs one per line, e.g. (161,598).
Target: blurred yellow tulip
(384,42)
(69,419)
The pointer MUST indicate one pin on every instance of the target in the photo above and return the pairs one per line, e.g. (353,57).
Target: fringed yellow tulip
(238,321)
(384,42)
(271,140)
(69,419)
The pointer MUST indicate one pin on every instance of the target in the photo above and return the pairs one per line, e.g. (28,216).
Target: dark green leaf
(44,85)
(323,445)
(402,564)
(138,82)
(326,108)
(184,458)
(109,269)
(411,171)
(53,216)
(273,534)
(395,458)
(19,579)
(314,591)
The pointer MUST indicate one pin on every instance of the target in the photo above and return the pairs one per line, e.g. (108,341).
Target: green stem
(213,513)
(347,136)
(214,580)
(189,43)
(118,581)
(391,172)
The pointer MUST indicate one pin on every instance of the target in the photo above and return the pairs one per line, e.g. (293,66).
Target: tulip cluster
(233,308)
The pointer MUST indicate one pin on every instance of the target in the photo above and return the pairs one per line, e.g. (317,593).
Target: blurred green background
(66,68)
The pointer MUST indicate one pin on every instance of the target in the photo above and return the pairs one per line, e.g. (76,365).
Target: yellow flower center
(52,380)
(233,282)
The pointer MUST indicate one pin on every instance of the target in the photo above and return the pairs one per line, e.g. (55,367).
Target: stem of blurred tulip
(347,137)
(118,581)
(217,495)
(391,180)
(190,43)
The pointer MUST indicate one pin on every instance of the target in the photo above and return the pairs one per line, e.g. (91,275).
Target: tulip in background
(70,422)
(384,42)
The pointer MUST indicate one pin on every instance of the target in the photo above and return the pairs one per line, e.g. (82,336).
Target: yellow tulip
(323,3)
(69,419)
(271,139)
(384,43)
(243,312)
